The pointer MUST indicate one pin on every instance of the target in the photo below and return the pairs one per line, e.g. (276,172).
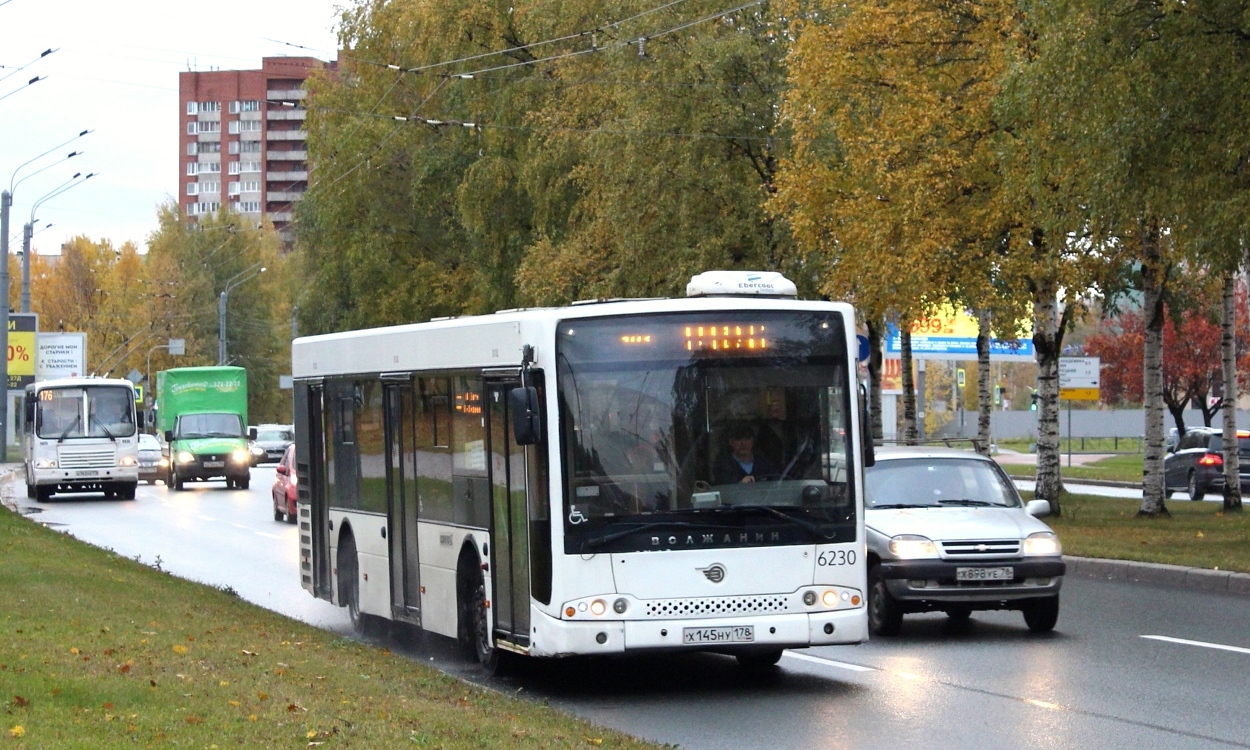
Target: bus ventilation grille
(98,458)
(723,606)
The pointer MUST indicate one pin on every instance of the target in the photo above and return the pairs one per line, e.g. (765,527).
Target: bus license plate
(86,473)
(214,464)
(984,574)
(734,634)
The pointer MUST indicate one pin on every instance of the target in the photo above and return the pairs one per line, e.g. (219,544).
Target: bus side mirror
(527,426)
(865,431)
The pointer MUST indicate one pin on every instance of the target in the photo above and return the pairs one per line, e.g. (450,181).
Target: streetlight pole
(28,231)
(6,203)
(249,273)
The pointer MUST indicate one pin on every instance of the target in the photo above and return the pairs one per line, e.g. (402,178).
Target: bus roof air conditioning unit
(741,283)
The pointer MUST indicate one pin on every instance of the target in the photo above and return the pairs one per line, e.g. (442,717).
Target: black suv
(1196,465)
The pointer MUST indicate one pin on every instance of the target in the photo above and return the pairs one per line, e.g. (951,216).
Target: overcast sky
(115,70)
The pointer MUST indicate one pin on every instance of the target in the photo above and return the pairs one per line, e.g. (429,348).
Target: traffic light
(1033,399)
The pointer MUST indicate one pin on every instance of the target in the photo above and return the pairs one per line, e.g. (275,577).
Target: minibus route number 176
(604,478)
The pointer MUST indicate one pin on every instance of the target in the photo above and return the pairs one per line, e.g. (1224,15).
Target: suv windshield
(705,430)
(936,482)
(274,436)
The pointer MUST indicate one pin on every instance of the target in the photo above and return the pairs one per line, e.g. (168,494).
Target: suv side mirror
(1037,508)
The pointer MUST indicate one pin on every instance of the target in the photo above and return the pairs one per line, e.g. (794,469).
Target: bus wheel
(30,491)
(487,655)
(43,494)
(349,589)
(128,492)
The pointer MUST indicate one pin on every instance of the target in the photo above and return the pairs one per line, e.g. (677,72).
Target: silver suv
(948,532)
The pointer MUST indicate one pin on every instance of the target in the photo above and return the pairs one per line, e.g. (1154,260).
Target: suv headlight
(1043,543)
(912,547)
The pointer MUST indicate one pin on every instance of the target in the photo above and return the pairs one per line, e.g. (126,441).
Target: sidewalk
(1078,459)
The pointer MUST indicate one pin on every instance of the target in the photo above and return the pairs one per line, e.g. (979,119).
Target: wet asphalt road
(1129,666)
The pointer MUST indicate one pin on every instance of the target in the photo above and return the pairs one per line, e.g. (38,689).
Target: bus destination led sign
(725,338)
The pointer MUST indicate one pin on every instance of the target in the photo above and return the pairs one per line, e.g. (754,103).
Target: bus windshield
(209,425)
(705,430)
(106,411)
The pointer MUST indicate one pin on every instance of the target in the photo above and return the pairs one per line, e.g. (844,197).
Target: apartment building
(243,144)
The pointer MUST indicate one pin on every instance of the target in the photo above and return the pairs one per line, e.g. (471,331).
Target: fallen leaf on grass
(180,649)
(595,740)
(18,731)
(20,702)
(124,668)
(245,652)
(293,707)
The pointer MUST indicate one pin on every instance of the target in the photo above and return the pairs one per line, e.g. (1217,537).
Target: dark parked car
(271,443)
(1197,464)
(153,465)
(284,483)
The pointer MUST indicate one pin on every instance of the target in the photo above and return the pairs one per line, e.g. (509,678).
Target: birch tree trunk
(1154,276)
(875,356)
(1047,340)
(985,399)
(909,384)
(1228,354)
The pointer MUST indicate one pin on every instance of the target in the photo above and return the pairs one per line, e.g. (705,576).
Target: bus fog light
(809,598)
(598,607)
(619,606)
(830,598)
(828,628)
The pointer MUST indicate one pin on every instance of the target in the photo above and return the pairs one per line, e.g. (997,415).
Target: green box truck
(202,414)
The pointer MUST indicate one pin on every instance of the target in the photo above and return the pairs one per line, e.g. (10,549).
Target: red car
(284,487)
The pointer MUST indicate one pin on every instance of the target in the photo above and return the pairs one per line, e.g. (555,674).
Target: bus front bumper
(553,637)
(67,478)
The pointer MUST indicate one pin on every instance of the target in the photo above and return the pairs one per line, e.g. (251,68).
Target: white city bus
(80,435)
(544,481)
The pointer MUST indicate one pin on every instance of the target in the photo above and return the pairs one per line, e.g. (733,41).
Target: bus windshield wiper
(966,501)
(599,541)
(802,523)
(895,506)
(77,421)
(100,424)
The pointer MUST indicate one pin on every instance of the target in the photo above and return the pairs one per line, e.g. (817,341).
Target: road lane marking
(1203,644)
(829,662)
(268,535)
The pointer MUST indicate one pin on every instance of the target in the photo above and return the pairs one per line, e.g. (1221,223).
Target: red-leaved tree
(1191,360)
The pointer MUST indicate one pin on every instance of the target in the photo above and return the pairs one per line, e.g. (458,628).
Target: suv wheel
(1041,614)
(885,617)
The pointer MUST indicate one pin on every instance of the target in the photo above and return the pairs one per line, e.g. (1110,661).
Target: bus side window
(28,424)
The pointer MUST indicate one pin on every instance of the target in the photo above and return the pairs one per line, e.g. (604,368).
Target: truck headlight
(1043,543)
(241,456)
(186,457)
(912,547)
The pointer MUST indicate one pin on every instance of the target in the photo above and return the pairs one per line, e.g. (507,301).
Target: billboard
(22,327)
(60,355)
(948,333)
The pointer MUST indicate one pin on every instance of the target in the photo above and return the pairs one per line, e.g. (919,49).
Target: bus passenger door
(509,554)
(401,483)
(310,468)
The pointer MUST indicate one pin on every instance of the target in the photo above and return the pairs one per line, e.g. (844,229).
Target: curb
(1201,579)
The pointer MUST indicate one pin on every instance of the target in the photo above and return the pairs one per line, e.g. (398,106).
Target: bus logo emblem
(714,573)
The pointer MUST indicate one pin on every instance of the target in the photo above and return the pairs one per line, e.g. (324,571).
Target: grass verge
(1198,535)
(1121,468)
(99,651)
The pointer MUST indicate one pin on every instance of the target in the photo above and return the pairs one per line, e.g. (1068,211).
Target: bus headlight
(598,607)
(127,461)
(45,463)
(912,547)
(1043,543)
(241,456)
(186,457)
